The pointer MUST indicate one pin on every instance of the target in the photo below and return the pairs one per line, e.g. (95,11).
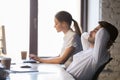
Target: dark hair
(65,16)
(112,30)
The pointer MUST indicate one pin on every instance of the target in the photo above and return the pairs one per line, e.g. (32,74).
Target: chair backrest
(100,69)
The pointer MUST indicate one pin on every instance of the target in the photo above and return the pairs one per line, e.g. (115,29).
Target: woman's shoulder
(73,33)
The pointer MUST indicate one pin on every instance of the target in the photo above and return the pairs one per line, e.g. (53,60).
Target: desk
(45,72)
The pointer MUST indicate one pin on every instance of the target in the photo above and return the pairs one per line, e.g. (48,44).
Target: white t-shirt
(86,62)
(71,39)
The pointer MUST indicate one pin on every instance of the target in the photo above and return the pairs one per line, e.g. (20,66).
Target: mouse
(26,66)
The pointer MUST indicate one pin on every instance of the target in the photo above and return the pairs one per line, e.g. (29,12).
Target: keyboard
(29,61)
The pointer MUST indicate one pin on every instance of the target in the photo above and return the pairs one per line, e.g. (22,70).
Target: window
(93,11)
(49,41)
(14,15)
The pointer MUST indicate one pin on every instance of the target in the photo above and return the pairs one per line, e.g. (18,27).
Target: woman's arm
(56,60)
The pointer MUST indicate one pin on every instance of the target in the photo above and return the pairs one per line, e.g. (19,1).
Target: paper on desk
(22,70)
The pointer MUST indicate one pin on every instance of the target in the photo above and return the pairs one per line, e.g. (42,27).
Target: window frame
(84,15)
(33,46)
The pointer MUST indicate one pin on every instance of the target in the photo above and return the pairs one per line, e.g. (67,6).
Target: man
(95,51)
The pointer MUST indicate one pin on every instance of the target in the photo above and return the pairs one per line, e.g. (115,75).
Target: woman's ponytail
(77,29)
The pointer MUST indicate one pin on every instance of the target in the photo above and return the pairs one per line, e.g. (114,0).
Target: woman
(72,43)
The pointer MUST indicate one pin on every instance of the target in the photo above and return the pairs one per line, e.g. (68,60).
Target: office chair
(100,69)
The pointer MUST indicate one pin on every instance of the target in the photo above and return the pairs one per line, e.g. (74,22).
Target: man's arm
(84,40)
(100,46)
